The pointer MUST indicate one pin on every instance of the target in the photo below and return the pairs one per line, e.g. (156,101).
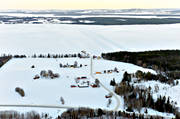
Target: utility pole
(91,68)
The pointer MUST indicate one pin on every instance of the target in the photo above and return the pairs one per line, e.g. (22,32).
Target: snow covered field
(53,38)
(18,73)
(61,38)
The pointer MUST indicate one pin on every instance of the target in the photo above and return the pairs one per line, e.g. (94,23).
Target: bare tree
(75,64)
(109,102)
(62,100)
(97,82)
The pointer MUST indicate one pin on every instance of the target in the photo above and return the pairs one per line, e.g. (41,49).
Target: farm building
(98,73)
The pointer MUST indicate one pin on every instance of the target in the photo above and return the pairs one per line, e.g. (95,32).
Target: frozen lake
(62,38)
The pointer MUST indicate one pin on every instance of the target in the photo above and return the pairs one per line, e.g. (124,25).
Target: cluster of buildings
(75,65)
(115,70)
(83,82)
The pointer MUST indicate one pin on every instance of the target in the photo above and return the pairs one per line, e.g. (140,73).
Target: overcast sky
(87,4)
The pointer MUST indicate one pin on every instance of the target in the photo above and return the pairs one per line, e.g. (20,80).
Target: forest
(159,60)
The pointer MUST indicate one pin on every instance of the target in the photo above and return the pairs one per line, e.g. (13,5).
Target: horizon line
(92,9)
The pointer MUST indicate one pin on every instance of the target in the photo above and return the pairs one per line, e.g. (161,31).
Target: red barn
(94,86)
(73,86)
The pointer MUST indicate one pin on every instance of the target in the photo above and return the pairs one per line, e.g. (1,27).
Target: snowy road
(37,106)
(117,99)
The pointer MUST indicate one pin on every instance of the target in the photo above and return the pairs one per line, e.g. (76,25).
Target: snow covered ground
(160,89)
(173,93)
(52,38)
(18,73)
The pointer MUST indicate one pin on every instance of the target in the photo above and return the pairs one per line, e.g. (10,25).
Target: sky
(87,4)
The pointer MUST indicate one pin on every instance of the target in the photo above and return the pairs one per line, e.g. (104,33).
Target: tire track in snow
(106,44)
(111,43)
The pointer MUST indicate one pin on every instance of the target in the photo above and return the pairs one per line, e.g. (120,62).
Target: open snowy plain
(61,38)
(18,73)
(51,38)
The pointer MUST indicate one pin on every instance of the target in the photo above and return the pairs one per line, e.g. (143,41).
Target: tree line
(48,55)
(159,60)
